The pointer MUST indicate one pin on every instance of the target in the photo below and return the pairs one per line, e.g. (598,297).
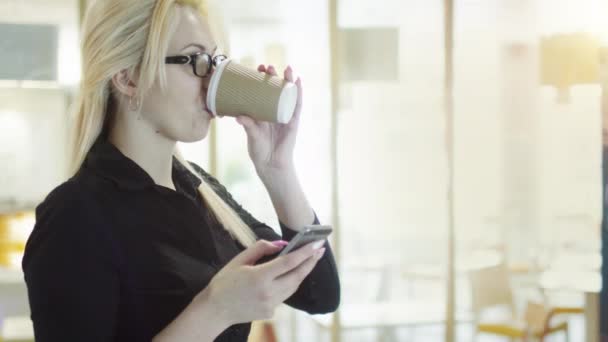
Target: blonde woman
(141,245)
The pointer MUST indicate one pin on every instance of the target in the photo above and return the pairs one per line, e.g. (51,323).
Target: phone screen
(307,235)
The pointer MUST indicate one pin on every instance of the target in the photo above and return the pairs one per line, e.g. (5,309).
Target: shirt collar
(107,161)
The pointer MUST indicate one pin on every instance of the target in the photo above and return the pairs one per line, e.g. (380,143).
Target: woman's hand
(271,145)
(243,292)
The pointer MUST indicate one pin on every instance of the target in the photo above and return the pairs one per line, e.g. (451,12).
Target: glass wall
(392,168)
(528,149)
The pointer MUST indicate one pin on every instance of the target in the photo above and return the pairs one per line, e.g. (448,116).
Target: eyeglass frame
(191,59)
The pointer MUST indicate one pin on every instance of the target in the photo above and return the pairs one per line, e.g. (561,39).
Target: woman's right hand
(243,292)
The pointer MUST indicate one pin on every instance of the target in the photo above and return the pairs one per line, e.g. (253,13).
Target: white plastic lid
(287,102)
(213,85)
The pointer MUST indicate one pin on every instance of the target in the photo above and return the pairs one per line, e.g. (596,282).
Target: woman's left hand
(271,145)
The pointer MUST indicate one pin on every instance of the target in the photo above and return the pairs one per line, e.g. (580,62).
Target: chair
(495,313)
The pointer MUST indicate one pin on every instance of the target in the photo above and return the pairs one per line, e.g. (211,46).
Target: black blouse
(115,257)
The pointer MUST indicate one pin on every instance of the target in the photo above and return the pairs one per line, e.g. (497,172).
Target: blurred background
(456,147)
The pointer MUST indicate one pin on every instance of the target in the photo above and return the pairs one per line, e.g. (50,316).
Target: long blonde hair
(133,35)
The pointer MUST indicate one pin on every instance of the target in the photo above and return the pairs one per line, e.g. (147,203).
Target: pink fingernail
(280,243)
(320,253)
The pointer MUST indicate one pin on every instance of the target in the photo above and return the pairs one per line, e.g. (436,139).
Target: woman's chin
(194,134)
(197,129)
(198,135)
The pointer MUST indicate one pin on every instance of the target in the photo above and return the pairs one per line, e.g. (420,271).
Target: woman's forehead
(191,29)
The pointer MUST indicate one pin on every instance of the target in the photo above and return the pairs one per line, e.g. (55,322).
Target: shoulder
(72,198)
(68,220)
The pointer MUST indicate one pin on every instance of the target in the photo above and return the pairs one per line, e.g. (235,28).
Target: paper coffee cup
(236,90)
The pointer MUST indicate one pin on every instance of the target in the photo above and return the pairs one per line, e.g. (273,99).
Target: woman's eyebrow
(198,46)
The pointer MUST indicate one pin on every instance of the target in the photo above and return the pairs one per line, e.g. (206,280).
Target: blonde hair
(133,35)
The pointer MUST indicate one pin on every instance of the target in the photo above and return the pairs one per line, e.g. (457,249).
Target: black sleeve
(72,283)
(320,290)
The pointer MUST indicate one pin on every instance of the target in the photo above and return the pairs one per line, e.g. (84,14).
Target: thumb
(256,251)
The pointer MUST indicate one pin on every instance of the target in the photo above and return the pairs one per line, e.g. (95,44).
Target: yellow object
(568,310)
(569,59)
(4,226)
(8,244)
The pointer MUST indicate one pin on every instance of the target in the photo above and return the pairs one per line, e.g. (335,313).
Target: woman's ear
(123,84)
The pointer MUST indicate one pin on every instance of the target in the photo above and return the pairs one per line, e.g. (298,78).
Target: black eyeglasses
(202,63)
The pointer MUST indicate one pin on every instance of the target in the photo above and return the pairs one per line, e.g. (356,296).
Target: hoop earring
(134,106)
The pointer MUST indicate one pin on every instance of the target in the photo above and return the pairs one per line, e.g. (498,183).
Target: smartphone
(308,234)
